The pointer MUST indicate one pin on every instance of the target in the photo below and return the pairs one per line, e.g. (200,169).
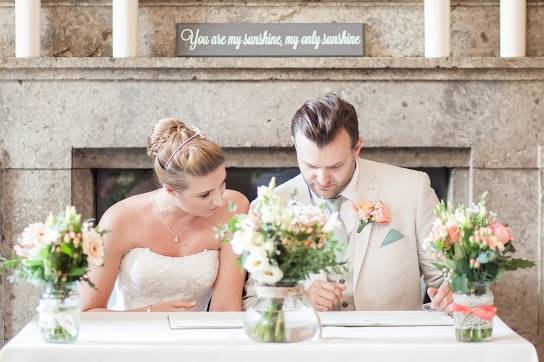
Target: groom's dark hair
(320,120)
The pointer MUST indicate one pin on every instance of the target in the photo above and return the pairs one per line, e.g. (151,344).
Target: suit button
(345,305)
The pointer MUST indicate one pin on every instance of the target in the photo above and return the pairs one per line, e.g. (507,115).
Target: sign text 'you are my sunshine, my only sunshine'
(269,40)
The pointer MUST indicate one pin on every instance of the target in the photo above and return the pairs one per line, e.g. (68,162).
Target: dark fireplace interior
(113,185)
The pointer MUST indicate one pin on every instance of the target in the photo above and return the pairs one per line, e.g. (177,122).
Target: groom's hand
(441,298)
(326,295)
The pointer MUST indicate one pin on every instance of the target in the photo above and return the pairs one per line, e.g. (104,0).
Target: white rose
(93,247)
(256,262)
(255,239)
(269,275)
(238,243)
(34,238)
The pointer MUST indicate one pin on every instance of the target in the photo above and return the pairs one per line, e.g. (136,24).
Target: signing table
(148,337)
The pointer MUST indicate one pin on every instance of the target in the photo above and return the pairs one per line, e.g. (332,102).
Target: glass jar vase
(281,314)
(59,313)
(473,315)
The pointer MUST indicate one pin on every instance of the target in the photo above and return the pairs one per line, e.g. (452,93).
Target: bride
(161,253)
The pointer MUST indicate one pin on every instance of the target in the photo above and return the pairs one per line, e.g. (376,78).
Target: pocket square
(391,237)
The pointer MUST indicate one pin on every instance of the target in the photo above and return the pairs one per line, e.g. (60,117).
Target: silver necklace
(175,236)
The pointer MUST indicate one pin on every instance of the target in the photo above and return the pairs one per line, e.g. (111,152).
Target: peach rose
(503,233)
(381,213)
(363,209)
(453,232)
(93,247)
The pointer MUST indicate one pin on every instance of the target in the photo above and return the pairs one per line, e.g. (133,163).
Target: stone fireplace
(442,114)
(475,119)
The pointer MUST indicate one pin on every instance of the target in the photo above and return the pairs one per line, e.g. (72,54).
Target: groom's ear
(358,147)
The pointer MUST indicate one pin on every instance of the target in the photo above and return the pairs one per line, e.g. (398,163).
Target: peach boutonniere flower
(371,211)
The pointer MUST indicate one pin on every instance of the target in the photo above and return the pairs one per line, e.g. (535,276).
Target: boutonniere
(371,211)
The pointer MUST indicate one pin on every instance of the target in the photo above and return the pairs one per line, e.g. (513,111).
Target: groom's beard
(336,190)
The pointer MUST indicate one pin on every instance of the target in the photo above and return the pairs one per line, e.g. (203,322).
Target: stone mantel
(311,68)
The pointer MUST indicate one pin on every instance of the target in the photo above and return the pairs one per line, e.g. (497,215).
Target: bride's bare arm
(227,290)
(104,277)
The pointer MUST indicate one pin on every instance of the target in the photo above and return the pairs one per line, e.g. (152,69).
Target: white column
(27,28)
(437,28)
(125,28)
(513,25)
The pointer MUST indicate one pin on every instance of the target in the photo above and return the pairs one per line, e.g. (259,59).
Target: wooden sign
(270,40)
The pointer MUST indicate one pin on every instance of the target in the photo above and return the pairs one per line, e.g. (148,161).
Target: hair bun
(163,130)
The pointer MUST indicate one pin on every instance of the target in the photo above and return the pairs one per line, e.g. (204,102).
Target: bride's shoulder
(125,212)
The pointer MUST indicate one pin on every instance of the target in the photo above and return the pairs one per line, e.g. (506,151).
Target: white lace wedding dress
(148,278)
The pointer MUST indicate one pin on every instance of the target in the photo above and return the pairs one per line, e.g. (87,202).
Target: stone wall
(492,107)
(393,28)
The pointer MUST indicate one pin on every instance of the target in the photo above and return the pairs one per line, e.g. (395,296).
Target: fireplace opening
(113,185)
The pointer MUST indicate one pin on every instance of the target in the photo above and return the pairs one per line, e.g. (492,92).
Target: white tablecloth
(147,337)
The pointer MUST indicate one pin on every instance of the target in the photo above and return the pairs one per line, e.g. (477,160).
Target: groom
(386,259)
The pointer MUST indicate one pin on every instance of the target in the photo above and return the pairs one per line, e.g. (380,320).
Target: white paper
(206,320)
(385,319)
(234,320)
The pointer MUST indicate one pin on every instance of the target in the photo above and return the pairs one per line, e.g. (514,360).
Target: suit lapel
(302,191)
(369,189)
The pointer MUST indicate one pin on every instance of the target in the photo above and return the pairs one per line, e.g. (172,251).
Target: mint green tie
(340,234)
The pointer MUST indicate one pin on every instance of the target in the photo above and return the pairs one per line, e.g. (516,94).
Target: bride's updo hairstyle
(178,151)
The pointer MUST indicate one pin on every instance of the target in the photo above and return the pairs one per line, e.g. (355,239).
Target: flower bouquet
(281,244)
(473,249)
(56,254)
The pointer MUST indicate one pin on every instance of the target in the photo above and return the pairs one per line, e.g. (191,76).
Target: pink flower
(363,209)
(381,213)
(503,233)
(453,232)
(486,237)
(439,232)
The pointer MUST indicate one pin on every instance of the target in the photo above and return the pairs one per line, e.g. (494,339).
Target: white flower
(34,238)
(270,275)
(461,217)
(256,262)
(238,242)
(267,190)
(247,223)
(269,246)
(271,215)
(333,223)
(93,247)
(244,240)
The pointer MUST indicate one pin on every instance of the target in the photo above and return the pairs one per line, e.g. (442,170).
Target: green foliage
(52,253)
(479,253)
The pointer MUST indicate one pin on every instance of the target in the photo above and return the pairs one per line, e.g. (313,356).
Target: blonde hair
(197,157)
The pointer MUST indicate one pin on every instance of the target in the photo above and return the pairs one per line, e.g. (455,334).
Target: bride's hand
(178,305)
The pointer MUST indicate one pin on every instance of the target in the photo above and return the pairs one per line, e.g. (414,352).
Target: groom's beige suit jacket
(386,275)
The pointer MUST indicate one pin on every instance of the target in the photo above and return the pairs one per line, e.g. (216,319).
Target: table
(147,337)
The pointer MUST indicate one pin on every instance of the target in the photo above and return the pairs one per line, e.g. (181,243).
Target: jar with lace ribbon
(473,315)
(59,313)
(281,313)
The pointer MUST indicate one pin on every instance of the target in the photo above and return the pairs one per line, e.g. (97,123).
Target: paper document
(206,320)
(385,319)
